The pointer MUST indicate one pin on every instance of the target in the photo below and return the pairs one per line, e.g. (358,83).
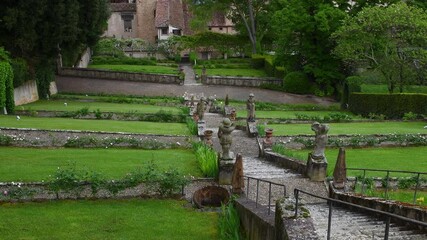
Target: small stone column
(237,181)
(340,171)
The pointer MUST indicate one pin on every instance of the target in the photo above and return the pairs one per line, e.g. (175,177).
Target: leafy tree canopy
(391,40)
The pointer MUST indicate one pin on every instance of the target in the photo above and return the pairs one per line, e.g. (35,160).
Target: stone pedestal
(252,130)
(316,169)
(226,170)
(201,127)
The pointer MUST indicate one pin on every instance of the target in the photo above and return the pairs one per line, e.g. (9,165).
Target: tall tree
(389,39)
(248,15)
(303,30)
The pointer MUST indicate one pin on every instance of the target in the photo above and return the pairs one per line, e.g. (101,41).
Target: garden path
(190,76)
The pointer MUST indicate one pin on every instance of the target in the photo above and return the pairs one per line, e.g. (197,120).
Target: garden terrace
(155,128)
(137,68)
(35,165)
(106,219)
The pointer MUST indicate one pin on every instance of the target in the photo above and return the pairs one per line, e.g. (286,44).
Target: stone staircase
(351,225)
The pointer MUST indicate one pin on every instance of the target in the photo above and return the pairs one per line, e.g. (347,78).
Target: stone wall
(404,210)
(255,221)
(85,59)
(286,162)
(240,81)
(125,76)
(26,93)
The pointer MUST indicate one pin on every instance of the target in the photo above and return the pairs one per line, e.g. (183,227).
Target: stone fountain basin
(211,196)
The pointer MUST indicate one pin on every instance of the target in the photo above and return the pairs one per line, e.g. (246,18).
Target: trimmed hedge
(98,60)
(297,82)
(258,61)
(269,65)
(391,105)
(351,84)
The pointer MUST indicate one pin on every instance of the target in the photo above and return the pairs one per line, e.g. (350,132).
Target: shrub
(258,61)
(123,60)
(65,180)
(391,105)
(410,116)
(207,159)
(297,82)
(5,140)
(269,66)
(279,72)
(20,72)
(351,84)
(229,223)
(192,126)
(44,75)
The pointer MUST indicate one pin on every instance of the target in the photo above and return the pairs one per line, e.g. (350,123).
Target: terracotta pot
(269,132)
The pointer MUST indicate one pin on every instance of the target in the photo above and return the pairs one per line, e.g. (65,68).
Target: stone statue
(250,106)
(320,141)
(200,110)
(225,139)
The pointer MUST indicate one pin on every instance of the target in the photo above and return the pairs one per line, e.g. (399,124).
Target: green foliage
(410,116)
(93,142)
(44,75)
(65,180)
(258,61)
(107,60)
(279,72)
(17,192)
(5,140)
(351,84)
(192,126)
(297,82)
(229,222)
(20,72)
(303,30)
(71,179)
(261,130)
(6,82)
(282,150)
(207,159)
(391,105)
(365,40)
(404,183)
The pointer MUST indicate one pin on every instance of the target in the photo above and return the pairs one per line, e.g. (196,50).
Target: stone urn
(208,137)
(195,117)
(233,114)
(268,140)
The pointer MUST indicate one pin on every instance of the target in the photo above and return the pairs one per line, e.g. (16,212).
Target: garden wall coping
(240,81)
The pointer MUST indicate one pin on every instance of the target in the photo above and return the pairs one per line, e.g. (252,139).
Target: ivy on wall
(6,82)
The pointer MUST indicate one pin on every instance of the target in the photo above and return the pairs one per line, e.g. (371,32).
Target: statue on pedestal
(225,139)
(250,106)
(200,109)
(321,139)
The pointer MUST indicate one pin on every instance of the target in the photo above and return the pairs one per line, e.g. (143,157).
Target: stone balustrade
(240,81)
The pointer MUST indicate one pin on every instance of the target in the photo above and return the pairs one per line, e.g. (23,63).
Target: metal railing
(258,180)
(330,201)
(417,174)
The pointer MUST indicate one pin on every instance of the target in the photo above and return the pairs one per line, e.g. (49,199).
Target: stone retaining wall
(286,162)
(240,81)
(255,221)
(26,93)
(398,208)
(115,75)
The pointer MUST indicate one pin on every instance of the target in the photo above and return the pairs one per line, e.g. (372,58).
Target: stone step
(354,225)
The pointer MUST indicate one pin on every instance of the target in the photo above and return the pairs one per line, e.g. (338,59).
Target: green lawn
(352,128)
(95,125)
(402,195)
(243,72)
(402,159)
(292,114)
(72,105)
(106,219)
(137,68)
(31,164)
(372,88)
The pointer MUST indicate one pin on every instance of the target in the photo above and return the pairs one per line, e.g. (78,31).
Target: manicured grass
(399,159)
(72,105)
(95,125)
(402,195)
(293,114)
(372,88)
(352,128)
(27,164)
(106,219)
(243,72)
(138,68)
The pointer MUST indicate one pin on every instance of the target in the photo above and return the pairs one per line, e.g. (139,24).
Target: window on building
(164,31)
(127,21)
(176,32)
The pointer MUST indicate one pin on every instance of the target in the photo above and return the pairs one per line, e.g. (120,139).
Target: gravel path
(87,85)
